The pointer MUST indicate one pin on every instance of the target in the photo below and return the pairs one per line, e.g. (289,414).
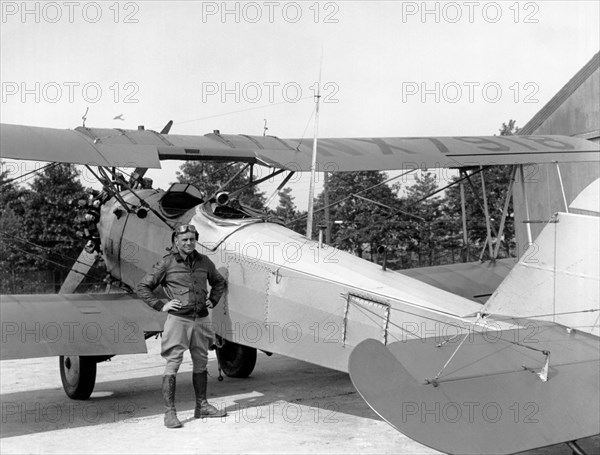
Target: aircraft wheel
(236,361)
(78,376)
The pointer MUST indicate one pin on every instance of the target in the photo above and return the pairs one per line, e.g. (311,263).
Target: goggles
(184,229)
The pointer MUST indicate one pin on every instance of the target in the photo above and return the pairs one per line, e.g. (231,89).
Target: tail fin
(557,279)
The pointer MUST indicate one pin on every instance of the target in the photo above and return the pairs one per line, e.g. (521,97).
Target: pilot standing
(183,274)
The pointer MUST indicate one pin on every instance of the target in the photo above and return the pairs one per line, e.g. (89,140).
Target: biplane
(520,371)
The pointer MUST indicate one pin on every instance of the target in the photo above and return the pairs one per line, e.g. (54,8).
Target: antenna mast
(311,191)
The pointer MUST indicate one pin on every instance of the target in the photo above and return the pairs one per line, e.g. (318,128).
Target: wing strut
(562,187)
(109,186)
(237,174)
(105,181)
(257,182)
(464,222)
(143,203)
(281,185)
(523,190)
(486,214)
(513,174)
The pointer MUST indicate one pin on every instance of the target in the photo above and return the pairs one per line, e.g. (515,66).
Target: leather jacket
(183,282)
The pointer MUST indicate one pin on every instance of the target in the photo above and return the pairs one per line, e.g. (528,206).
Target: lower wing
(75,324)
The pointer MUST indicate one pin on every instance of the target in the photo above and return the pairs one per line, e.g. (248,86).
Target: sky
(386,69)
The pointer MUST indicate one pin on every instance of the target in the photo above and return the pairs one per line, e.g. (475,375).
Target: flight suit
(190,327)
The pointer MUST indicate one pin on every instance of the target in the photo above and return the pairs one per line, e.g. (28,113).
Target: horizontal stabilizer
(75,324)
(491,396)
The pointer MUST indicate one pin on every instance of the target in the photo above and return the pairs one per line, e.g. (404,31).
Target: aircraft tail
(526,376)
(557,278)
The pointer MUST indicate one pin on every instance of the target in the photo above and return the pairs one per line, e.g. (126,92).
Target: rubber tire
(78,376)
(236,360)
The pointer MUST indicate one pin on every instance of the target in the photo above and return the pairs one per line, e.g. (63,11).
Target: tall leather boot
(168,392)
(203,407)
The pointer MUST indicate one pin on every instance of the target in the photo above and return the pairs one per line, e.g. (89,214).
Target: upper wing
(144,148)
(75,324)
(361,154)
(71,146)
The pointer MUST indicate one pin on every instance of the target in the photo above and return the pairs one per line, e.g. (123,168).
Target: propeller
(79,271)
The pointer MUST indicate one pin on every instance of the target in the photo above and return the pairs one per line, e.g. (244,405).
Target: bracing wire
(28,173)
(49,250)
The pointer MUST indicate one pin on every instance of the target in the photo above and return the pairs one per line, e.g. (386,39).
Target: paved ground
(286,406)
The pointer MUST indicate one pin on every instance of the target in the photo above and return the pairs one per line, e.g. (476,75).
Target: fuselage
(286,294)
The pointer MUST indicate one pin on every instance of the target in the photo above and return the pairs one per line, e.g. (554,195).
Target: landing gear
(235,360)
(78,375)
